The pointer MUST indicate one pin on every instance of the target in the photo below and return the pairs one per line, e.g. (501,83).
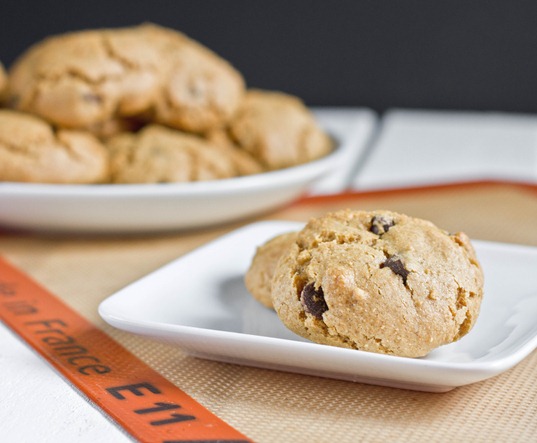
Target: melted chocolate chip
(397,266)
(313,300)
(380,225)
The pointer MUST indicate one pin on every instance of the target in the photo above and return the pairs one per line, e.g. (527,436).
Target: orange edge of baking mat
(349,194)
(140,400)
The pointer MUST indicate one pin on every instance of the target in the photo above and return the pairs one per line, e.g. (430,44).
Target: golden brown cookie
(278,130)
(258,278)
(158,154)
(378,281)
(31,151)
(86,78)
(245,164)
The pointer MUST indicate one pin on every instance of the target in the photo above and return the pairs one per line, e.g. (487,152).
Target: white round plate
(173,206)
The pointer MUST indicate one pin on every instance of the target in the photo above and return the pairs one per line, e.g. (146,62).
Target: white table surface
(409,148)
(415,148)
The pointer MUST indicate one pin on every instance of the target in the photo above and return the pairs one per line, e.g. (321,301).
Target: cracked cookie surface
(278,130)
(378,281)
(245,163)
(158,154)
(86,78)
(31,151)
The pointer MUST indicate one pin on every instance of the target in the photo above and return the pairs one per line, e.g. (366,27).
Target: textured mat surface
(271,406)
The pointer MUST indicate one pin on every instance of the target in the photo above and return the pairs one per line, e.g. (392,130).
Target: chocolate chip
(380,225)
(313,300)
(397,266)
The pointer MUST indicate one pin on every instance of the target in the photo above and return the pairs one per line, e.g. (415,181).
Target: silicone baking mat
(271,406)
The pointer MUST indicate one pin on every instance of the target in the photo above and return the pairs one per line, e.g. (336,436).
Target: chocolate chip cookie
(158,154)
(86,78)
(278,130)
(31,151)
(258,278)
(378,281)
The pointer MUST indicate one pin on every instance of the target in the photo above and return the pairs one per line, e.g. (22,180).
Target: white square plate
(199,303)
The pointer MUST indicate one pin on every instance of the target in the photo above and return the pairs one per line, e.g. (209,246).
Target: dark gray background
(478,55)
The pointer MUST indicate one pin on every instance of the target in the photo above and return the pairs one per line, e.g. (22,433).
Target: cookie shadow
(244,314)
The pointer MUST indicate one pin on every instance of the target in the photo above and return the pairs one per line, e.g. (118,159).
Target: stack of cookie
(143,105)
(376,281)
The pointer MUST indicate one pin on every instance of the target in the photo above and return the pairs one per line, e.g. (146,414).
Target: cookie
(278,130)
(258,278)
(245,164)
(85,78)
(378,281)
(158,154)
(31,151)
